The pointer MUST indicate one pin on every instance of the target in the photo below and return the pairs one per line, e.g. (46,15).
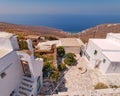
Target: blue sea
(68,23)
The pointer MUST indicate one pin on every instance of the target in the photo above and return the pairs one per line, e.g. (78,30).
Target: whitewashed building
(20,71)
(105,53)
(71,45)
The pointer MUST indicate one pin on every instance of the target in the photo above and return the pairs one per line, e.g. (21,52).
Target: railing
(61,80)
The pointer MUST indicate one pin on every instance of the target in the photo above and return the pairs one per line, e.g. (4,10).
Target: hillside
(38,30)
(99,31)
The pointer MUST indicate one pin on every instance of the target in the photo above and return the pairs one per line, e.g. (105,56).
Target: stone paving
(82,78)
(77,81)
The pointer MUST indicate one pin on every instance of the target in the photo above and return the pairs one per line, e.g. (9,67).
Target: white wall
(91,47)
(14,42)
(104,66)
(114,67)
(34,65)
(5,43)
(10,64)
(37,67)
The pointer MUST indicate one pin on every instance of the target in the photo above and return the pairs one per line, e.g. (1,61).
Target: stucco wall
(34,65)
(14,42)
(5,44)
(114,67)
(103,66)
(10,64)
(72,49)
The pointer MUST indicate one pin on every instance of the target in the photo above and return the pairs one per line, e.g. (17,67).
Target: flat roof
(6,34)
(33,36)
(71,42)
(48,44)
(4,52)
(116,35)
(112,56)
(106,44)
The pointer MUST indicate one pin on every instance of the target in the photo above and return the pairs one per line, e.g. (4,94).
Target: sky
(60,7)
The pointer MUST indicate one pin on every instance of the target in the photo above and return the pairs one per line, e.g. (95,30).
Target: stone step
(24,92)
(23,88)
(27,79)
(19,94)
(26,83)
(26,87)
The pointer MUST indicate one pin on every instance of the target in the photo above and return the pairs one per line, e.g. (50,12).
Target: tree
(54,75)
(62,67)
(70,59)
(47,67)
(60,51)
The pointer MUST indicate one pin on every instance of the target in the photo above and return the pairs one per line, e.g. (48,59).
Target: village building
(71,45)
(105,53)
(20,71)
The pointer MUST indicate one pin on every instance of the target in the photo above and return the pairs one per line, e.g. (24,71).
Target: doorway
(26,68)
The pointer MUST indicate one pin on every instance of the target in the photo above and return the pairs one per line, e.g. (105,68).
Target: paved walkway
(76,80)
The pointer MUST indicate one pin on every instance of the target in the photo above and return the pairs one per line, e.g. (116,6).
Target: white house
(20,71)
(73,45)
(105,53)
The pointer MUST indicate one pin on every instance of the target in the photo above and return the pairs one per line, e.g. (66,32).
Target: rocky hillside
(38,30)
(99,31)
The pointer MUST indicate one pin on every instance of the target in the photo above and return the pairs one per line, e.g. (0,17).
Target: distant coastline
(67,23)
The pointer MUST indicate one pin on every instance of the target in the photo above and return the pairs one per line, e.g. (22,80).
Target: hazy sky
(60,7)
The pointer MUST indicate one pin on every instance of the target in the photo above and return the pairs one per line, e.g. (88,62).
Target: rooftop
(3,52)
(5,34)
(71,42)
(112,56)
(116,35)
(106,44)
(48,44)
(33,36)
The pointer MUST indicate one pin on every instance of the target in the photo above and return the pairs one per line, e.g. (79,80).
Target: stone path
(81,78)
(75,81)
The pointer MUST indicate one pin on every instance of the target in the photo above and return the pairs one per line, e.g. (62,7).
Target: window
(104,60)
(95,52)
(2,75)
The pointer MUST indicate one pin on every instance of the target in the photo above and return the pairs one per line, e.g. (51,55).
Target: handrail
(60,81)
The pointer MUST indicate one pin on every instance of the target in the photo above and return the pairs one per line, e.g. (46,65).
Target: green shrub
(61,51)
(47,67)
(37,54)
(23,44)
(62,67)
(70,55)
(70,59)
(54,75)
(114,86)
(100,85)
(51,38)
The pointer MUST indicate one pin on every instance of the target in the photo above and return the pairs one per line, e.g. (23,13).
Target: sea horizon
(66,22)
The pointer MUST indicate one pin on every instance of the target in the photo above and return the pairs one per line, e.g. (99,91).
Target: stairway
(25,87)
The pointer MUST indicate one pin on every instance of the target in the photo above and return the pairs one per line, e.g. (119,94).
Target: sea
(66,22)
